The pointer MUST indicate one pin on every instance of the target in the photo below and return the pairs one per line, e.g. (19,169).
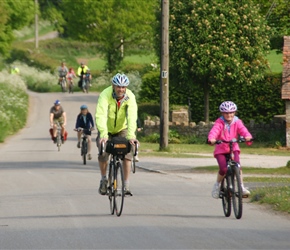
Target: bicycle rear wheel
(237,194)
(226,196)
(119,188)
(110,189)
(63,85)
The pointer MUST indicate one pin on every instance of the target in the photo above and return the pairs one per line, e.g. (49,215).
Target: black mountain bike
(118,147)
(231,189)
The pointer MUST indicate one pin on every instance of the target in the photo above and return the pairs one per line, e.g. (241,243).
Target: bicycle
(118,147)
(86,85)
(231,191)
(63,84)
(70,86)
(84,147)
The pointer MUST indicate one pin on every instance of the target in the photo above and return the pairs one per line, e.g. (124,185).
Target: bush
(150,88)
(36,80)
(14,104)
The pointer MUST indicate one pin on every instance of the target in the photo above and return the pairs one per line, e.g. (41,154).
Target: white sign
(164,74)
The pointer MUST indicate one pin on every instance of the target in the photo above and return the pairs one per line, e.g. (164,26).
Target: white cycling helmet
(120,80)
(228,107)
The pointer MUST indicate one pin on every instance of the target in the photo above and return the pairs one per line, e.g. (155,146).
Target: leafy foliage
(217,43)
(13,15)
(109,23)
(278,18)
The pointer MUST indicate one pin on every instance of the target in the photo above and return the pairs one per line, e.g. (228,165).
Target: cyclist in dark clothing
(85,121)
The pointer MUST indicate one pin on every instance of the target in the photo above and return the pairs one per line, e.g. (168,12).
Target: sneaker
(246,192)
(54,140)
(103,187)
(127,192)
(216,191)
(62,140)
(136,158)
(79,145)
(89,156)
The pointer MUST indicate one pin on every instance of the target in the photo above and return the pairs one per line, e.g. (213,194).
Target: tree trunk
(206,101)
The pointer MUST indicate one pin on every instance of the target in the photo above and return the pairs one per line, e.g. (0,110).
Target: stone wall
(201,129)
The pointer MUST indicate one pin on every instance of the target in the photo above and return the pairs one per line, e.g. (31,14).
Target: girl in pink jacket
(227,127)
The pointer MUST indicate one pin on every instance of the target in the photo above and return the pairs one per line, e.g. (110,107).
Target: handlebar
(83,129)
(234,140)
(135,153)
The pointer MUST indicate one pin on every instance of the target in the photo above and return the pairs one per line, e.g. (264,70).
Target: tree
(13,15)
(110,23)
(51,10)
(216,43)
(277,14)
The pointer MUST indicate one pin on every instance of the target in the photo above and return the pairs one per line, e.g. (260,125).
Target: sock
(104,177)
(126,184)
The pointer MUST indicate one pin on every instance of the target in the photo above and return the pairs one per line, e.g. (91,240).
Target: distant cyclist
(62,72)
(82,70)
(57,114)
(85,121)
(70,76)
(116,116)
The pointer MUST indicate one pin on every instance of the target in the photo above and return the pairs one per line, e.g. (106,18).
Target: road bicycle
(63,84)
(231,191)
(133,161)
(84,143)
(117,147)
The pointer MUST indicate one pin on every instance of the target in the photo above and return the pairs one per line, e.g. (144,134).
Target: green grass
(277,197)
(268,180)
(185,149)
(249,170)
(275,60)
(99,63)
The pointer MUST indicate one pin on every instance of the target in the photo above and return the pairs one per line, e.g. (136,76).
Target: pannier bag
(118,146)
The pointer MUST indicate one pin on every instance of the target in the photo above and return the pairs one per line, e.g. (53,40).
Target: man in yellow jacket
(116,116)
(82,70)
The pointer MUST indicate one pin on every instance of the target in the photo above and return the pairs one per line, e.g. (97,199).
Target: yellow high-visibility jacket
(84,69)
(111,119)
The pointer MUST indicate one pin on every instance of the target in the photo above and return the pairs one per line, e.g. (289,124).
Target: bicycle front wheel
(58,142)
(119,188)
(226,196)
(237,193)
(133,165)
(84,152)
(111,189)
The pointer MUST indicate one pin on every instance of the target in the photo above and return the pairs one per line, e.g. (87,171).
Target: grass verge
(277,197)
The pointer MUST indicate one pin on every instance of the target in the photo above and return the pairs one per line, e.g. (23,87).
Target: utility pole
(36,23)
(164,76)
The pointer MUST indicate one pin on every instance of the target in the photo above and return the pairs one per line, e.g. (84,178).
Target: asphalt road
(49,200)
